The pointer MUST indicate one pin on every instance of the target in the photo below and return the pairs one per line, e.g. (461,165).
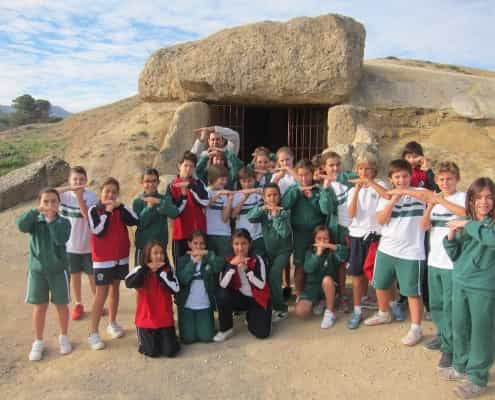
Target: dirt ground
(299,361)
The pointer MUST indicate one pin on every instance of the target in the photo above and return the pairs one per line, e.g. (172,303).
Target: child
(218,212)
(277,234)
(219,157)
(47,268)
(303,200)
(192,215)
(470,244)
(243,287)
(75,200)
(321,267)
(198,276)
(262,165)
(401,252)
(152,209)
(108,221)
(422,174)
(364,229)
(155,283)
(243,202)
(284,178)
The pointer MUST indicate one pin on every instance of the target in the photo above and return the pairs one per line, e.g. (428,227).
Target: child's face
(332,167)
(366,171)
(186,169)
(49,201)
(156,255)
(220,183)
(271,197)
(247,183)
(305,176)
(322,237)
(215,140)
(447,182)
(285,160)
(262,162)
(482,203)
(218,159)
(76,179)
(150,184)
(401,179)
(109,193)
(197,243)
(240,246)
(413,159)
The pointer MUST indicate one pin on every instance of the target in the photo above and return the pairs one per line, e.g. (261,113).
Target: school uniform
(473,299)
(196,299)
(285,183)
(110,243)
(401,251)
(252,201)
(277,236)
(218,232)
(233,166)
(245,291)
(440,269)
(154,311)
(47,262)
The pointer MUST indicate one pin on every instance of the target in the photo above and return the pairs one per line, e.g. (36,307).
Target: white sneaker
(412,338)
(115,330)
(36,352)
(328,320)
(378,319)
(223,336)
(319,308)
(95,341)
(278,316)
(65,346)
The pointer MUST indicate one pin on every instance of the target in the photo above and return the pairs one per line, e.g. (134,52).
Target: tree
(29,110)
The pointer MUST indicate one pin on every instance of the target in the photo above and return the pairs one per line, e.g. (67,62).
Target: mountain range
(55,111)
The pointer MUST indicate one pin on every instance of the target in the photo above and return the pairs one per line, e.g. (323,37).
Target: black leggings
(259,320)
(158,342)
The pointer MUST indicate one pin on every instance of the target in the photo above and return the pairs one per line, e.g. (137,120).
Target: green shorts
(221,245)
(80,263)
(40,285)
(408,273)
(302,242)
(312,292)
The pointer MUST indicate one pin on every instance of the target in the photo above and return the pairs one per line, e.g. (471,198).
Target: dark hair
(110,181)
(197,233)
(272,185)
(305,164)
(246,173)
(48,190)
(215,172)
(145,255)
(328,155)
(78,169)
(189,156)
(150,171)
(242,233)
(316,161)
(399,165)
(321,228)
(412,148)
(475,188)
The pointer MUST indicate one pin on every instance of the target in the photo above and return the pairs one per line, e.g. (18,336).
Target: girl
(108,222)
(47,267)
(470,244)
(277,235)
(243,287)
(155,283)
(198,275)
(321,267)
(262,166)
(219,157)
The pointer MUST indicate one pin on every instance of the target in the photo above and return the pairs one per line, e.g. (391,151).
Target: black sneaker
(445,361)
(287,292)
(433,344)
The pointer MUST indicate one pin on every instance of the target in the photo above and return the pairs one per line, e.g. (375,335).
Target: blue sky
(82,54)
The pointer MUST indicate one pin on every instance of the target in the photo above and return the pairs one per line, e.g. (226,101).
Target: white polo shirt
(253,200)
(342,192)
(214,222)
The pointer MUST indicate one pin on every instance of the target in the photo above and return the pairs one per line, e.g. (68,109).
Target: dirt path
(300,361)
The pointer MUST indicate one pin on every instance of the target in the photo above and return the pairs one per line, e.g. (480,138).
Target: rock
(302,61)
(23,184)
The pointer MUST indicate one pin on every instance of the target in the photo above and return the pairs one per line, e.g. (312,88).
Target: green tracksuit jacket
(277,232)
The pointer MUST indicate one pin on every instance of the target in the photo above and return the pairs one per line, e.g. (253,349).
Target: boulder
(23,184)
(302,61)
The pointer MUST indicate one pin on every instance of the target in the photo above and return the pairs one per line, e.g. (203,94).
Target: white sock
(327,311)
(392,303)
(38,341)
(383,313)
(416,328)
(358,310)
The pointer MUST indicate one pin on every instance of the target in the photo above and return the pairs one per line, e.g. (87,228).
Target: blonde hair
(286,150)
(366,159)
(450,167)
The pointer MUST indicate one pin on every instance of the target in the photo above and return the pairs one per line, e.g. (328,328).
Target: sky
(83,54)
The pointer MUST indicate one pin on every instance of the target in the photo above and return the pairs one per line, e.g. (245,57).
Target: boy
(75,200)
(401,252)
(152,209)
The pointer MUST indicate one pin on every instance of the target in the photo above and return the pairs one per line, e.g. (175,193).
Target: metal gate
(307,131)
(231,116)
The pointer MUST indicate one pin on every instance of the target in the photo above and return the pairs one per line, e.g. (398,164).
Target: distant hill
(55,111)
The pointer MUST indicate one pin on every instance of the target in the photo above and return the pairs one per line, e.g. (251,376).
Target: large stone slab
(302,61)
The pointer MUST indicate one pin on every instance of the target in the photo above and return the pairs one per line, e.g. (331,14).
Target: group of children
(235,230)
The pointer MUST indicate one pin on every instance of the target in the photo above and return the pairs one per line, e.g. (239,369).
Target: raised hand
(151,201)
(425,163)
(457,224)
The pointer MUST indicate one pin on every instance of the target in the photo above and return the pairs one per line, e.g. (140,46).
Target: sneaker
(328,320)
(469,390)
(355,320)
(413,337)
(427,316)
(398,311)
(64,343)
(223,336)
(77,312)
(368,303)
(95,341)
(287,293)
(319,308)
(378,319)
(445,361)
(115,330)
(344,305)
(36,352)
(433,344)
(278,316)
(451,374)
